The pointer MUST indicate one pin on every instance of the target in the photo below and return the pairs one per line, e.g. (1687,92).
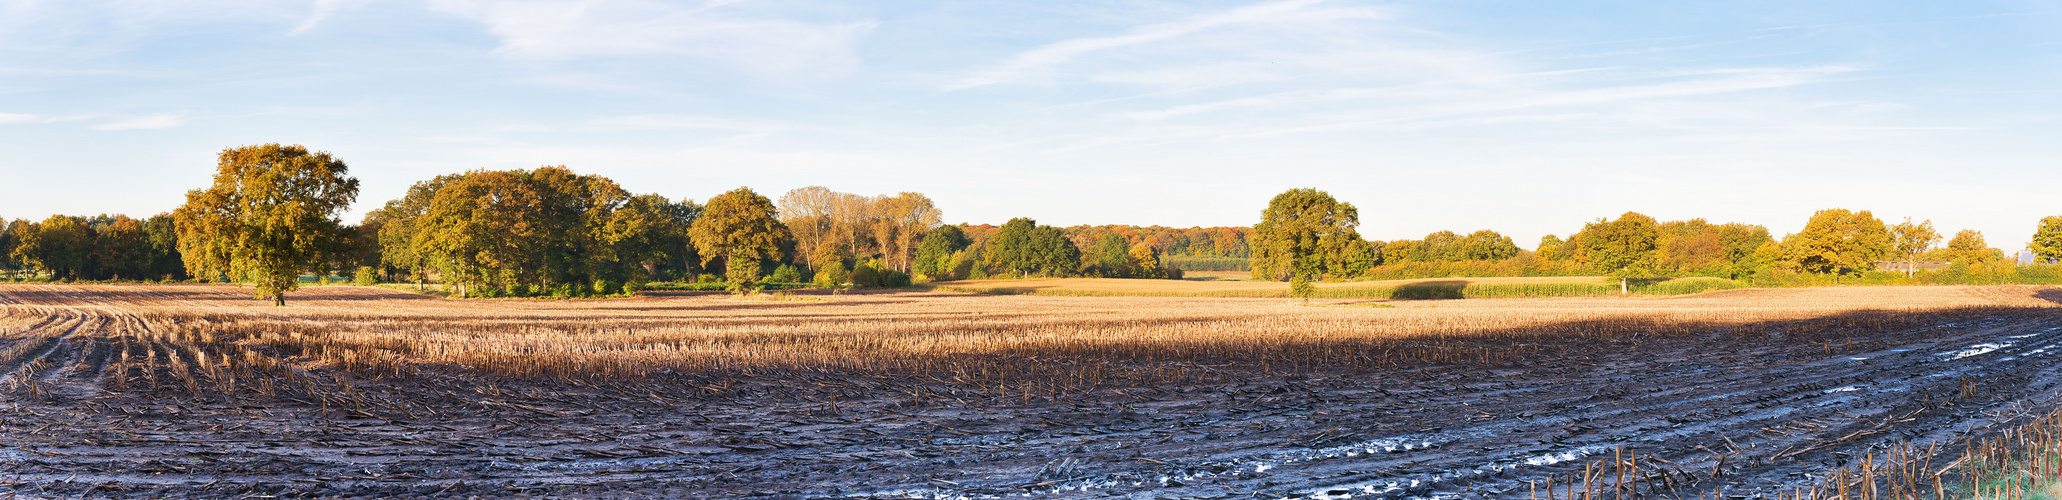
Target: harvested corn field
(195,390)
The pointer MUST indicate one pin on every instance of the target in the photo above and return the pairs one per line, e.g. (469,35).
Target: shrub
(786,273)
(831,276)
(872,274)
(366,276)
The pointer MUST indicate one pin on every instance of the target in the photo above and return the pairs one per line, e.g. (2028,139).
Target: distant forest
(552,231)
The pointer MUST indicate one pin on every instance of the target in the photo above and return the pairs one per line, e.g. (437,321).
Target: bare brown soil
(200,391)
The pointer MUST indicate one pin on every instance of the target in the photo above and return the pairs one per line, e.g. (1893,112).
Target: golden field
(1055,343)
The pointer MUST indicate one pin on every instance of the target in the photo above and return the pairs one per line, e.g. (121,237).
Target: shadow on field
(2050,295)
(1423,290)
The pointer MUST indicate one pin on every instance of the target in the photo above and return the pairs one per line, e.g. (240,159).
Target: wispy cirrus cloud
(322,10)
(7,118)
(553,29)
(146,122)
(1036,62)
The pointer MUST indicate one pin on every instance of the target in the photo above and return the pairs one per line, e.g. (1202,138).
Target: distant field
(1217,275)
(1233,284)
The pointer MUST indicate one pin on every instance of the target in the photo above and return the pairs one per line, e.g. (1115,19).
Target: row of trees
(102,247)
(1225,242)
(836,229)
(271,215)
(1307,234)
(547,230)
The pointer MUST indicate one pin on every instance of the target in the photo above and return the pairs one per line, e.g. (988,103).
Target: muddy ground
(1747,415)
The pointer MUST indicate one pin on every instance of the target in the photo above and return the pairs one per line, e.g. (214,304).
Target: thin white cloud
(1043,58)
(322,10)
(560,29)
(7,118)
(666,122)
(148,122)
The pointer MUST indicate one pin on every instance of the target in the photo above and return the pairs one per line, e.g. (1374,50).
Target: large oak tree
(1306,233)
(1839,241)
(740,229)
(270,215)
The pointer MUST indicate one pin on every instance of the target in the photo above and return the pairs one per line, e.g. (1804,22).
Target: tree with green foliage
(2047,240)
(1739,241)
(60,245)
(1298,229)
(7,243)
(1488,245)
(741,229)
(396,230)
(1110,257)
(269,215)
(650,230)
(1910,240)
(1838,241)
(934,254)
(1625,248)
(162,232)
(513,232)
(1024,248)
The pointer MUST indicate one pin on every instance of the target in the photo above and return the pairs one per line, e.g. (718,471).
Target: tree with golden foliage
(1625,248)
(1305,232)
(1910,240)
(270,215)
(1968,246)
(1838,241)
(742,230)
(2047,240)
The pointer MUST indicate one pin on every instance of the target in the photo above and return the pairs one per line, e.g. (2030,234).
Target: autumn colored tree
(1551,247)
(1625,248)
(1910,240)
(267,218)
(1299,228)
(1968,246)
(912,215)
(741,229)
(60,245)
(1839,241)
(2047,239)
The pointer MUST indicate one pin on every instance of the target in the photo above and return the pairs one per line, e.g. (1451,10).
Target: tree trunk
(1621,286)
(278,299)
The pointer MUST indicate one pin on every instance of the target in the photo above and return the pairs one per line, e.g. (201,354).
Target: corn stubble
(1029,346)
(213,342)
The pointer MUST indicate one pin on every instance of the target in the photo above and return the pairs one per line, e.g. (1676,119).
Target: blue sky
(1524,117)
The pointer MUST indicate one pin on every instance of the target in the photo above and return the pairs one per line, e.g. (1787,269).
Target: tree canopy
(270,215)
(1968,246)
(1306,232)
(1839,241)
(2047,239)
(740,231)
(1626,248)
(1024,248)
(1909,240)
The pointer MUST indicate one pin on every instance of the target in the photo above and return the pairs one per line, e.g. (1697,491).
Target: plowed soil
(1746,408)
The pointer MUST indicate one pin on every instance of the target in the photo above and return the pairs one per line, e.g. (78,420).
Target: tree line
(272,215)
(102,247)
(1307,234)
